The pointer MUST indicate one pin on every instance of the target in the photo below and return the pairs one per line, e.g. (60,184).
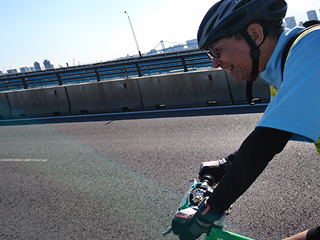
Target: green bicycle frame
(220,234)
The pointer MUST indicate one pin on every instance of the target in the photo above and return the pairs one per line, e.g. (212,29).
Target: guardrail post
(126,71)
(24,83)
(184,64)
(59,79)
(97,75)
(138,69)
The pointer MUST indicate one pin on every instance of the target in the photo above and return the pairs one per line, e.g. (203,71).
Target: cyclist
(246,38)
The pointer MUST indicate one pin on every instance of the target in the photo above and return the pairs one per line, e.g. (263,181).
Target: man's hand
(190,223)
(184,225)
(216,168)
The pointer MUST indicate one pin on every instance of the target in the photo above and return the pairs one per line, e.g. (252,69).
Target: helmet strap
(255,54)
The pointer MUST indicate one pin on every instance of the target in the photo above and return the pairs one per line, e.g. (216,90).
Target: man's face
(234,57)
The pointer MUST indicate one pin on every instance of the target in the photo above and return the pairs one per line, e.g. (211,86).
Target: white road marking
(22,160)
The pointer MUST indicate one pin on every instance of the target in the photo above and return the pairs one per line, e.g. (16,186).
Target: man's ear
(256,32)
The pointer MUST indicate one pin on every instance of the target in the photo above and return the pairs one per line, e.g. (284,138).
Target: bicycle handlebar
(195,194)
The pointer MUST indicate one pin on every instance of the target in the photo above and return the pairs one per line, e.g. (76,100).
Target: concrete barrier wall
(192,89)
(109,96)
(5,110)
(38,102)
(238,90)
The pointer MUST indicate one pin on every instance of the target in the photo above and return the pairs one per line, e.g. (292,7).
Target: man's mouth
(229,69)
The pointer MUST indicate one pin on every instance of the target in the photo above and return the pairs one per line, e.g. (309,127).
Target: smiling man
(233,53)
(246,38)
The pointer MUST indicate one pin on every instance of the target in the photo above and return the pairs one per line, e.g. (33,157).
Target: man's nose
(216,62)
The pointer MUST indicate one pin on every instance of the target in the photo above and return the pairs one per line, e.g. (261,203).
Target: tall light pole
(134,34)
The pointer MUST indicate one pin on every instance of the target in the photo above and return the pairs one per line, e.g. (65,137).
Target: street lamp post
(134,34)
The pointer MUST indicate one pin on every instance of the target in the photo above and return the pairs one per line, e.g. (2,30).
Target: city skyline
(88,32)
(47,65)
(290,22)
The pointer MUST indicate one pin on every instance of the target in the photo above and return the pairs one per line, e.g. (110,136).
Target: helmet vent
(241,4)
(224,10)
(211,25)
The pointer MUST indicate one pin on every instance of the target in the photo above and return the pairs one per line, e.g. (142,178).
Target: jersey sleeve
(253,156)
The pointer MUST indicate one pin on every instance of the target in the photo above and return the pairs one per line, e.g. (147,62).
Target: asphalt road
(122,176)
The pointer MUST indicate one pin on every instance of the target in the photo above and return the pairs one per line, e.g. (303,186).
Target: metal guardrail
(182,61)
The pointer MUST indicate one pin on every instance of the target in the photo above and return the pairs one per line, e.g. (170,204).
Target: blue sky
(90,31)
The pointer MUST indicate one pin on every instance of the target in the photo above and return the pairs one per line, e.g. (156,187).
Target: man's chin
(237,78)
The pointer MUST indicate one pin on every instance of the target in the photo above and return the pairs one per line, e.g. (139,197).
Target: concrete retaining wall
(191,89)
(38,102)
(110,96)
(5,110)
(238,90)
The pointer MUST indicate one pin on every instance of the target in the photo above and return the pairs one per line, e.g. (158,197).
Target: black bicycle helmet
(228,17)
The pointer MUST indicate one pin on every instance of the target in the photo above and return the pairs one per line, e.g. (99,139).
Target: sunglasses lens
(213,53)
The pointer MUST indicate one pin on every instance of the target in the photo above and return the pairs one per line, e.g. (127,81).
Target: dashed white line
(22,160)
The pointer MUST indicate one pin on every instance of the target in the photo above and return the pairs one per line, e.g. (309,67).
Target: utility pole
(134,34)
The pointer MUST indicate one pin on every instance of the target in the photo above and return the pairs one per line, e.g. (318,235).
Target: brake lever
(165,233)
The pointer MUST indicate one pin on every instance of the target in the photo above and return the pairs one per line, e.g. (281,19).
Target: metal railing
(182,61)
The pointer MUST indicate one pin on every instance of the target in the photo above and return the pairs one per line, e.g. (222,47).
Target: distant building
(312,15)
(152,51)
(47,65)
(32,69)
(290,22)
(175,48)
(24,69)
(1,73)
(11,71)
(192,43)
(37,66)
